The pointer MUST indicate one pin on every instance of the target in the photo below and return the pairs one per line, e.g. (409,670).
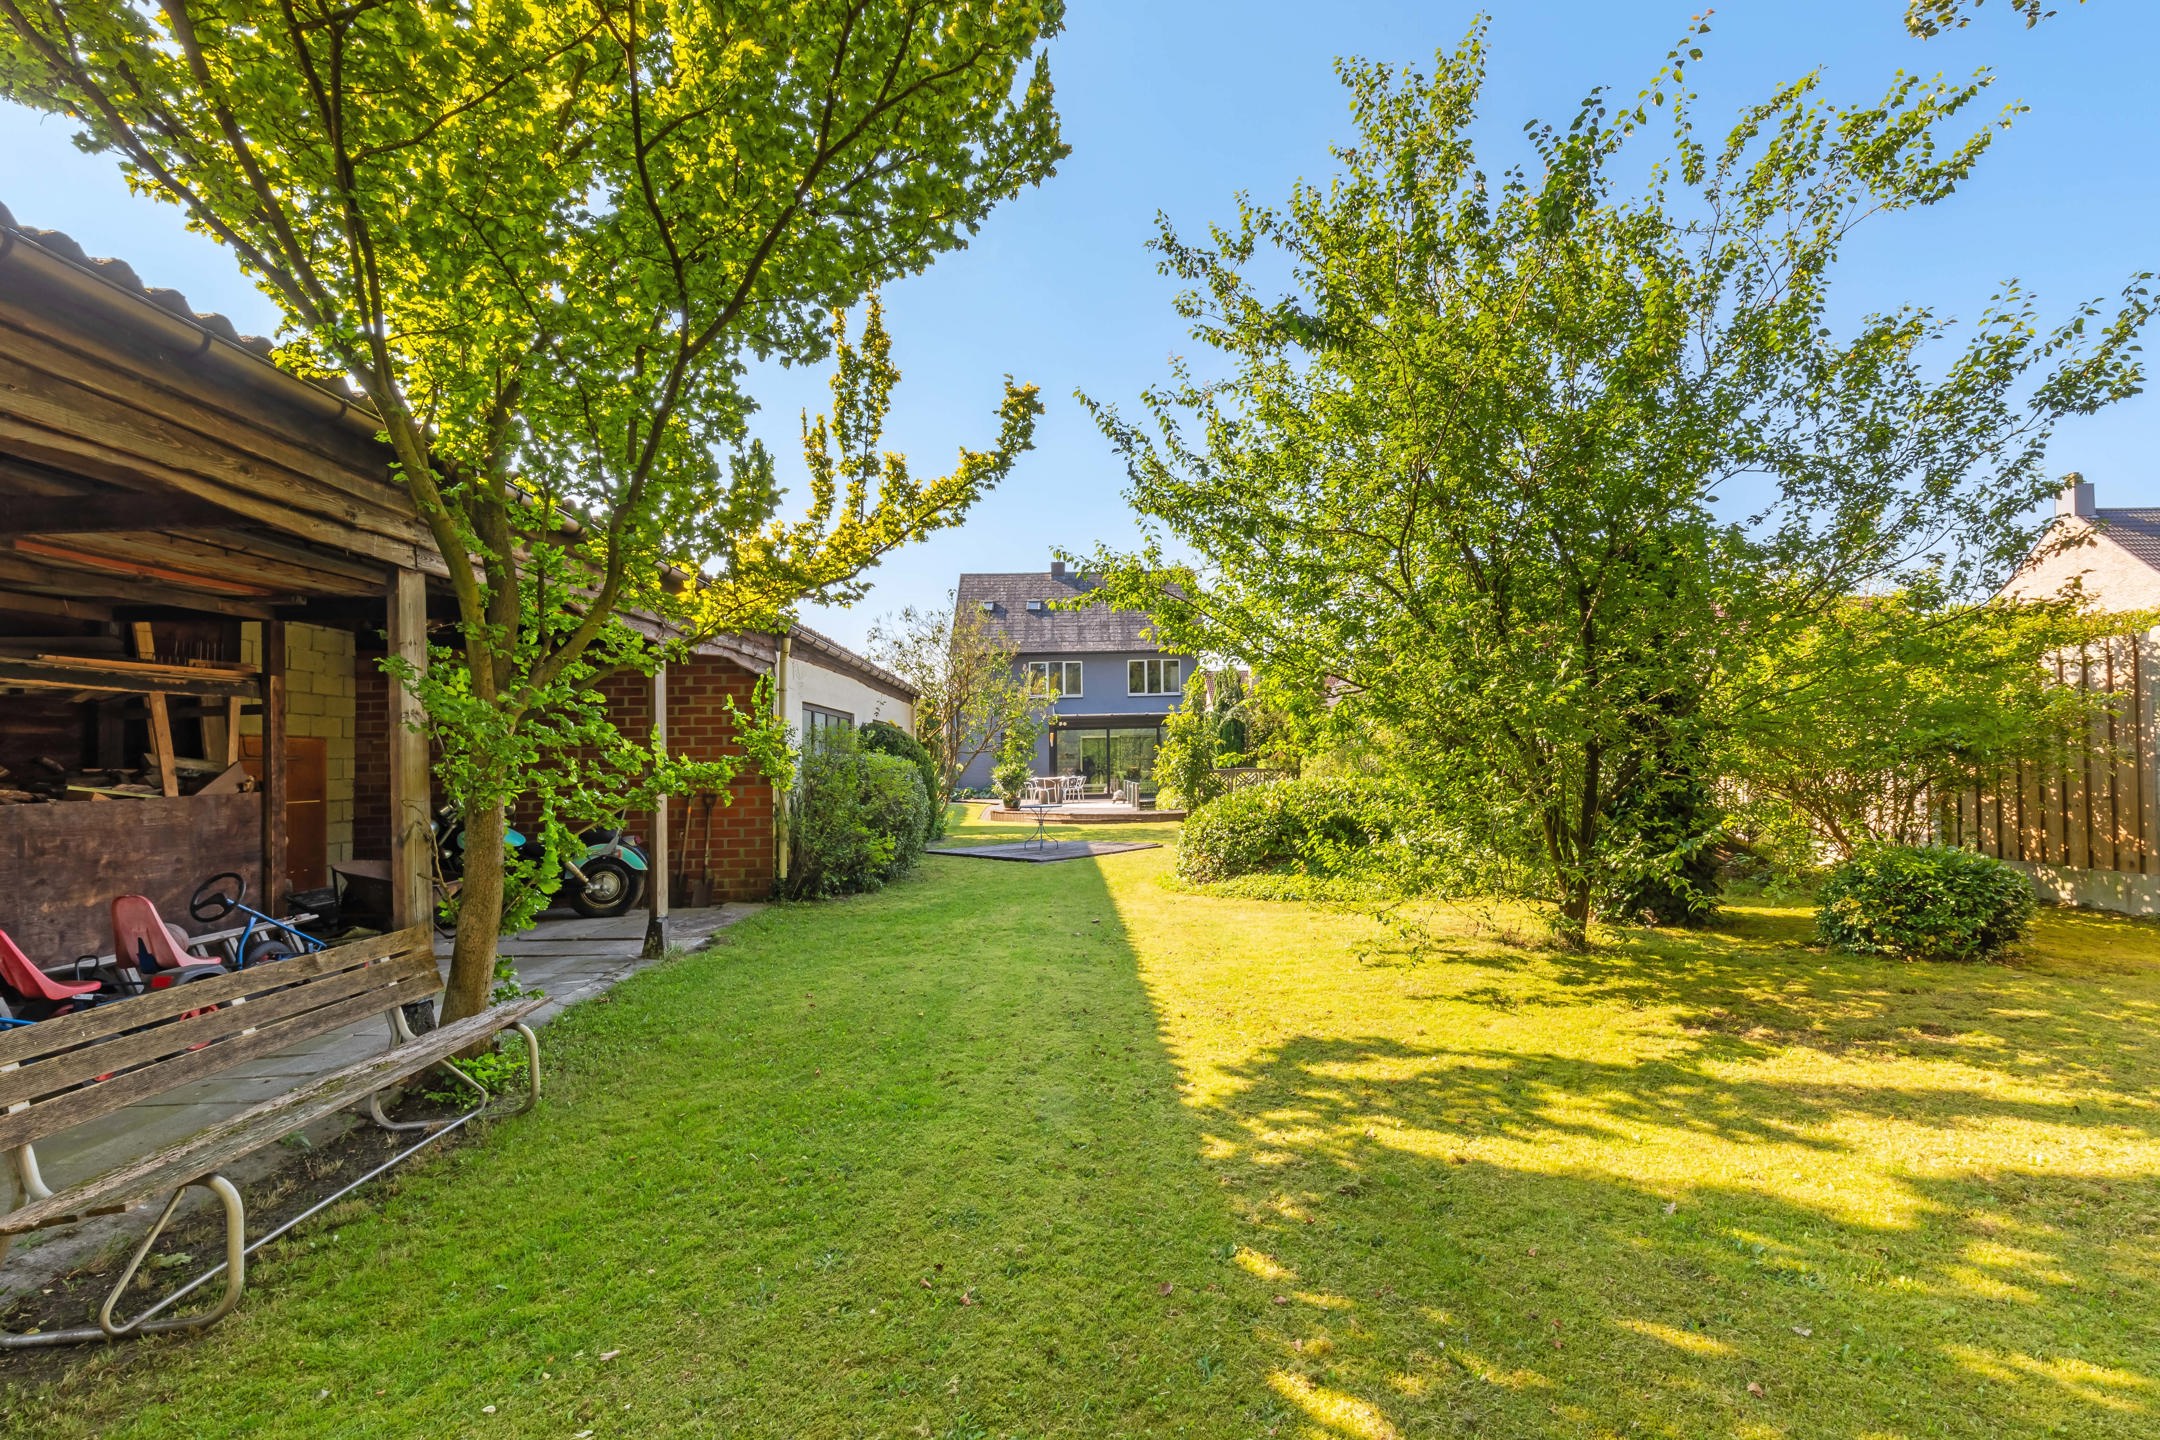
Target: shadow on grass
(1807,1195)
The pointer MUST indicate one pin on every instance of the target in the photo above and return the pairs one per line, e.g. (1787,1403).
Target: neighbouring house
(2087,829)
(199,550)
(1109,685)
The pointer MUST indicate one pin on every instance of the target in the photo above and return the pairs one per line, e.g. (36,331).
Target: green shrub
(855,820)
(1931,902)
(1010,778)
(1302,826)
(882,737)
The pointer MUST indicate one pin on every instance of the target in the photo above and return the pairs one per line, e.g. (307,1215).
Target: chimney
(2076,497)
(1057,567)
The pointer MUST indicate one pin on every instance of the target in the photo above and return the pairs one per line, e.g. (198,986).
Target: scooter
(607,880)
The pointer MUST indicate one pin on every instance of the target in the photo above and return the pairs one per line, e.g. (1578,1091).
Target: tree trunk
(472,957)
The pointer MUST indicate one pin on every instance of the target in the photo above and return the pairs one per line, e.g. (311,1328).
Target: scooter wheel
(610,889)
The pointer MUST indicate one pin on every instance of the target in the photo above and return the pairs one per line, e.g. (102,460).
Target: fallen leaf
(1165,1288)
(967,1297)
(1281,1300)
(609,1354)
(924,1282)
(1672,1207)
(1802,1331)
(1754,1387)
(487,1409)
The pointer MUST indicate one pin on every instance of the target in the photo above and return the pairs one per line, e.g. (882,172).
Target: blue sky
(1177,105)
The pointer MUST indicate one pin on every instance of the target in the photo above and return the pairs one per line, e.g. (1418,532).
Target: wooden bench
(59,1073)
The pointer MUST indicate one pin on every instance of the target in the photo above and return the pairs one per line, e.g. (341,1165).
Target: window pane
(1171,679)
(1136,677)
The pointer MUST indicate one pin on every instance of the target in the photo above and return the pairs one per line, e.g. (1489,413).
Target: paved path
(568,958)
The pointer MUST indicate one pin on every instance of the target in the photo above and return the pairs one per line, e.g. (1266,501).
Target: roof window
(1035,607)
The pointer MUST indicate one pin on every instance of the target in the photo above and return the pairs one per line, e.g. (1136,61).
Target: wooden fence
(2096,808)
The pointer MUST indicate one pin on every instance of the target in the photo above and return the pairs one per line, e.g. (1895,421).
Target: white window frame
(1167,674)
(1039,672)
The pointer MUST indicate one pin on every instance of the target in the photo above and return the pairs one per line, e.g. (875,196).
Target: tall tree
(1929,18)
(970,693)
(542,240)
(1466,475)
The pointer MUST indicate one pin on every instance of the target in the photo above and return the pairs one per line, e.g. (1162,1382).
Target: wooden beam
(161,746)
(412,893)
(277,787)
(98,514)
(656,875)
(117,679)
(232,731)
(22,572)
(139,569)
(58,606)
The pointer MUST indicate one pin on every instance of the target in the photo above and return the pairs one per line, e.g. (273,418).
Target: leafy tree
(970,693)
(541,241)
(1884,704)
(1464,479)
(1929,18)
(1208,730)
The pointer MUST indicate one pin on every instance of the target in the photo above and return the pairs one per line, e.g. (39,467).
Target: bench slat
(206,1151)
(52,1076)
(47,1037)
(66,1111)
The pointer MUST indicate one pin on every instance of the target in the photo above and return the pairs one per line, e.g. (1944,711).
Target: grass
(1014,1150)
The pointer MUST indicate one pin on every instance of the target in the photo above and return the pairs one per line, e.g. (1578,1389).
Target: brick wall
(731,842)
(371,757)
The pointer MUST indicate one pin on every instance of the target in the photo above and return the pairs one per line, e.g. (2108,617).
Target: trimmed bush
(1932,902)
(1301,827)
(882,737)
(855,820)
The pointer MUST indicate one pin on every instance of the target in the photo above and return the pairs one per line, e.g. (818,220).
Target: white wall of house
(811,683)
(2111,577)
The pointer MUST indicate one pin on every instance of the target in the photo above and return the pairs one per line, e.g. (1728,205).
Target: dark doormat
(1042,852)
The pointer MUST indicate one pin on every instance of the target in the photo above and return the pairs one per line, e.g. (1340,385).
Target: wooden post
(161,746)
(232,732)
(411,838)
(276,785)
(656,853)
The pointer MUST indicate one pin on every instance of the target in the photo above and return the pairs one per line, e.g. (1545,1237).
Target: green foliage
(1932,902)
(1306,827)
(970,694)
(498,1070)
(1929,18)
(1883,703)
(544,241)
(1016,754)
(1475,483)
(885,738)
(1215,724)
(857,819)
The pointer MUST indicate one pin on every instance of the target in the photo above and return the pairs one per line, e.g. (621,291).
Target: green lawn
(1057,1151)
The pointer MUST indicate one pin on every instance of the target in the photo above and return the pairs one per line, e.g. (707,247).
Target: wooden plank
(82,1106)
(50,1037)
(51,1083)
(91,558)
(232,732)
(43,390)
(161,741)
(96,676)
(220,1144)
(59,606)
(411,837)
(349,531)
(23,572)
(276,776)
(150,669)
(89,514)
(229,781)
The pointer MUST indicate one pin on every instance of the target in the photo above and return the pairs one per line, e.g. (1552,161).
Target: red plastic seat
(138,930)
(26,980)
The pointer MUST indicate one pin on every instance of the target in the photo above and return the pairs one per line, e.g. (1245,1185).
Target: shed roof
(1087,629)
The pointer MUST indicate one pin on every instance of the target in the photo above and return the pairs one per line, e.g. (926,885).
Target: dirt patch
(282,1181)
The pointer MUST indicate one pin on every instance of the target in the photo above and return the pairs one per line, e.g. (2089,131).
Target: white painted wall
(810,683)
(2113,578)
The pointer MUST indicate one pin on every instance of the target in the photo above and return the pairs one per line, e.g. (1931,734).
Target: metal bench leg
(107,1328)
(235,1269)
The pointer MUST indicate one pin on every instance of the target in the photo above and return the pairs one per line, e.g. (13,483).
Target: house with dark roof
(1109,684)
